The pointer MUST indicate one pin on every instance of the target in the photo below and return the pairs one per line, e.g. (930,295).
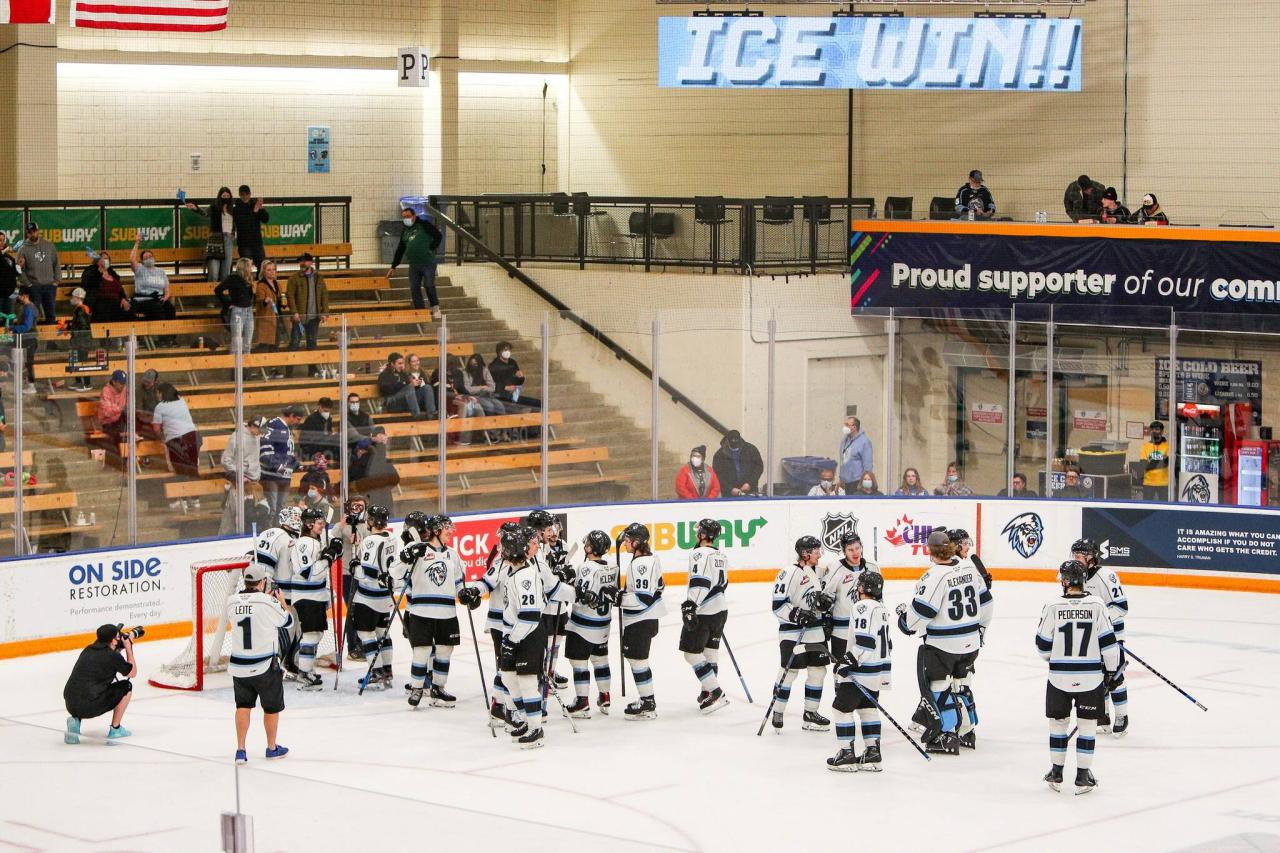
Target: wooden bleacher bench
(402,428)
(211,325)
(194,289)
(62,501)
(8,458)
(195,254)
(88,409)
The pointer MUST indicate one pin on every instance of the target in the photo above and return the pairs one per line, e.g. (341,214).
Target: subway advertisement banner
(70,230)
(878,53)
(153,224)
(960,267)
(193,229)
(290,224)
(11,225)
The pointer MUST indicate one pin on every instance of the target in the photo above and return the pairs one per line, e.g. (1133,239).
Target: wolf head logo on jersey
(437,572)
(1026,533)
(1196,491)
(834,528)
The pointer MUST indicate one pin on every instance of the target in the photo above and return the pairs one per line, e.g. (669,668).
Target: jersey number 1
(247,627)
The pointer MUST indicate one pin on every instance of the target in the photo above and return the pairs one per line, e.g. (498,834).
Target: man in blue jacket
(855,452)
(279,458)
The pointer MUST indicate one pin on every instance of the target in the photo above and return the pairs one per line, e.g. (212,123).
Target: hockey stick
(890,718)
(551,669)
(728,648)
(622,658)
(484,686)
(1157,674)
(777,685)
(395,613)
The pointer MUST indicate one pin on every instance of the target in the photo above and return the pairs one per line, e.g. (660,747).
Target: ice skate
(815,722)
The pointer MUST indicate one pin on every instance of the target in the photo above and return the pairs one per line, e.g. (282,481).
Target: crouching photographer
(92,690)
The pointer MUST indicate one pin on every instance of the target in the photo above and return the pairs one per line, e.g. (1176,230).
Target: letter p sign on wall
(413,67)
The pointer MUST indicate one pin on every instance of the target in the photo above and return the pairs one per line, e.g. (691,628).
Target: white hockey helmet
(291,519)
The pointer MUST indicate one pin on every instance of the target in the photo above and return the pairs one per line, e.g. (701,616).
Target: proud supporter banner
(977,269)
(51,597)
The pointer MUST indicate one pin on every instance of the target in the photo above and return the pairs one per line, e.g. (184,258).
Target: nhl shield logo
(835,527)
(436,573)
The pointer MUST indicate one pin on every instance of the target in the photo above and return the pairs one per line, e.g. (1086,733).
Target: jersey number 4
(964,602)
(1068,630)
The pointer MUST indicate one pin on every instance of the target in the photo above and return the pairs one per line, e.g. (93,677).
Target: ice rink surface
(369,773)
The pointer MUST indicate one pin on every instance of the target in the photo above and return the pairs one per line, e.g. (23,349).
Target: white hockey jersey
(952,605)
(868,641)
(273,551)
(642,590)
(523,602)
(592,623)
(796,586)
(1105,584)
(840,581)
(254,620)
(493,580)
(376,556)
(708,580)
(556,592)
(434,583)
(1077,640)
(310,581)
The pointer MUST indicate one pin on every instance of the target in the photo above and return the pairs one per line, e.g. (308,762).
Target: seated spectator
(867,485)
(402,393)
(482,388)
(1071,487)
(242,454)
(316,477)
(359,422)
(738,465)
(319,432)
(1150,212)
(113,412)
(458,402)
(25,336)
(1018,488)
(105,292)
(1113,212)
(1083,199)
(695,479)
(953,483)
(152,299)
(235,294)
(509,378)
(148,397)
(279,458)
(372,474)
(181,439)
(80,327)
(827,485)
(911,485)
(973,197)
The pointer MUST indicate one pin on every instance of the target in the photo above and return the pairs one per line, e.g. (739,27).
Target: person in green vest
(418,244)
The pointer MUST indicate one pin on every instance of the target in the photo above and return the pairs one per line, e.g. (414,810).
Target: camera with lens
(132,634)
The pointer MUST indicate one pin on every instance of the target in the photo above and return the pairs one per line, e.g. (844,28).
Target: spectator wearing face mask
(249,218)
(309,300)
(867,485)
(1113,212)
(105,291)
(218,250)
(80,326)
(855,452)
(738,465)
(953,483)
(509,379)
(1155,456)
(696,479)
(359,422)
(827,485)
(911,485)
(319,432)
(151,296)
(315,488)
(419,242)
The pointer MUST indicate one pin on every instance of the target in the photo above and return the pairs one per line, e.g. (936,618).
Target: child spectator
(911,485)
(23,329)
(80,327)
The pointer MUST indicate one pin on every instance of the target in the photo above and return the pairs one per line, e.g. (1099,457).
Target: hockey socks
(1058,742)
(531,701)
(604,677)
(1085,741)
(846,728)
(420,669)
(783,690)
(440,666)
(704,671)
(581,678)
(642,674)
(870,726)
(307,650)
(813,687)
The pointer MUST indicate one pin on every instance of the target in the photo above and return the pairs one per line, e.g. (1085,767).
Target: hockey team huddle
(831,614)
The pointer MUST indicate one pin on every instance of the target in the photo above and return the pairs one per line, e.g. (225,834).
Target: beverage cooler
(1257,469)
(1199,445)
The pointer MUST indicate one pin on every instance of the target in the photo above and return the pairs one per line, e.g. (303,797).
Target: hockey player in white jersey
(952,607)
(704,613)
(436,583)
(963,687)
(372,599)
(557,579)
(352,531)
(642,607)
(314,555)
(273,549)
(492,581)
(1077,639)
(964,550)
(1105,584)
(257,618)
(799,602)
(524,646)
(840,581)
(865,664)
(595,589)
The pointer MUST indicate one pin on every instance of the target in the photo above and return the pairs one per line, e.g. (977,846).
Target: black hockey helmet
(848,539)
(807,543)
(597,542)
(515,545)
(310,517)
(958,536)
(1087,547)
(508,526)
(540,519)
(872,583)
(709,528)
(378,514)
(636,533)
(437,523)
(414,523)
(1072,573)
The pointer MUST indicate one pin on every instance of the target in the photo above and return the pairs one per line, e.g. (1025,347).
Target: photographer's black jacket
(93,673)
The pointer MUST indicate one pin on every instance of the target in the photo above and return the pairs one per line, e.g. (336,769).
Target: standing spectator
(80,327)
(8,276)
(372,474)
(695,479)
(319,432)
(1083,199)
(458,402)
(1113,212)
(279,458)
(249,217)
(855,452)
(827,485)
(867,485)
(268,301)
(241,454)
(359,422)
(1155,455)
(1149,214)
(309,301)
(25,337)
(218,249)
(181,439)
(418,243)
(482,388)
(316,488)
(113,406)
(911,485)
(1018,488)
(152,299)
(974,197)
(235,293)
(105,291)
(402,393)
(738,465)
(953,483)
(1071,487)
(38,260)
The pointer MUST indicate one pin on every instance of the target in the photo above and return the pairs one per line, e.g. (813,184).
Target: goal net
(213,582)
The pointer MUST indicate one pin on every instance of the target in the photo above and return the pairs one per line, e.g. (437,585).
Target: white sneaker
(175,505)
(29,388)
(435,312)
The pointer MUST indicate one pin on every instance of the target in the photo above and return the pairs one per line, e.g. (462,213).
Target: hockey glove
(470,596)
(384,578)
(610,593)
(823,601)
(1111,681)
(901,610)
(507,656)
(689,613)
(803,618)
(982,636)
(585,596)
(565,573)
(413,553)
(334,549)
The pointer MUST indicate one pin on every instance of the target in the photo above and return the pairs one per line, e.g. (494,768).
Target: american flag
(27,11)
(171,16)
